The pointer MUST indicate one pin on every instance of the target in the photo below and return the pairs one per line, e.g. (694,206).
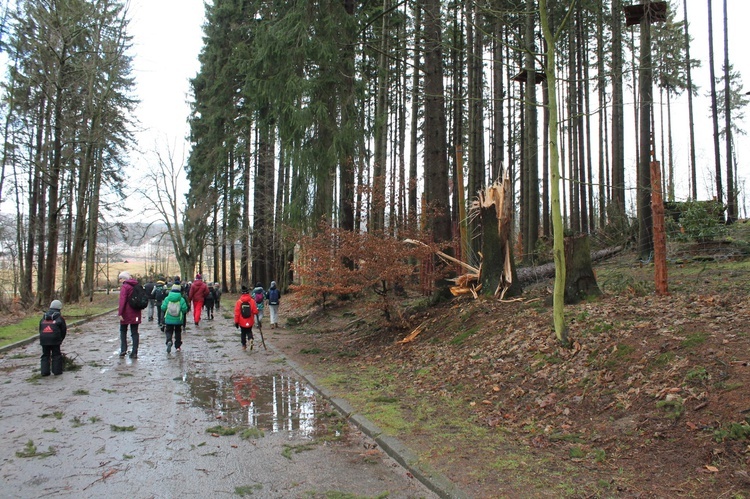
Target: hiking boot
(244,347)
(123,354)
(169,346)
(133,355)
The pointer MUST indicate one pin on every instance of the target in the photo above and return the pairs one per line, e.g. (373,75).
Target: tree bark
(618,126)
(580,281)
(645,238)
(714,107)
(435,146)
(691,123)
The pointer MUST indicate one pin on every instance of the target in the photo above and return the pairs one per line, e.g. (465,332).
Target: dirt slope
(651,401)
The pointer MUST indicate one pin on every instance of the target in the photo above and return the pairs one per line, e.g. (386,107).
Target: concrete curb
(34,338)
(433,480)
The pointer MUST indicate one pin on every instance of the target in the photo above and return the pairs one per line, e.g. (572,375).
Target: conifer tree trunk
(645,236)
(498,96)
(377,215)
(435,148)
(714,107)
(476,121)
(691,123)
(414,129)
(731,194)
(531,160)
(602,117)
(415,104)
(618,126)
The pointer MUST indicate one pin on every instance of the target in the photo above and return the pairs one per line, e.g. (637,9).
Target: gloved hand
(236,326)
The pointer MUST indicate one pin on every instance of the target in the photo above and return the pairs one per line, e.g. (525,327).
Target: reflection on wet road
(269,402)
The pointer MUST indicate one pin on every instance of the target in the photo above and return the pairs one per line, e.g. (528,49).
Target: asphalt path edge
(432,479)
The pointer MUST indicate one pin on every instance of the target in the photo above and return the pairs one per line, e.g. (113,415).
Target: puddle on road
(272,402)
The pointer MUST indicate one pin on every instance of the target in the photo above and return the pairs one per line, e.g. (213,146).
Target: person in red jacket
(197,295)
(245,311)
(128,315)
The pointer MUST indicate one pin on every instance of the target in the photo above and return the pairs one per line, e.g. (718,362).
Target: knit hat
(56,304)
(245,289)
(124,275)
(273,284)
(160,283)
(198,276)
(176,287)
(177,279)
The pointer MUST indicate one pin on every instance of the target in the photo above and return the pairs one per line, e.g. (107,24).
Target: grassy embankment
(26,325)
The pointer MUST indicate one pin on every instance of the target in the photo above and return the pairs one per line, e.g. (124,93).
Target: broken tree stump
(498,273)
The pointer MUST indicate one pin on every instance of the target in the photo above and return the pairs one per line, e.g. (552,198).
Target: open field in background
(24,323)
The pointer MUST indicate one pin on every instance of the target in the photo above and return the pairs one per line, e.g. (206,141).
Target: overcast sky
(168,38)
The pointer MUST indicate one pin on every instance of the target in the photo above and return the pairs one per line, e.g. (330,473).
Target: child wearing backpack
(259,294)
(52,331)
(245,311)
(175,308)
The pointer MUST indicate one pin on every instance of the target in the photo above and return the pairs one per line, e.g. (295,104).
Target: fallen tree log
(540,272)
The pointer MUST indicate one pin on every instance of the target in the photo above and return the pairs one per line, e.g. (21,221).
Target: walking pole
(260,330)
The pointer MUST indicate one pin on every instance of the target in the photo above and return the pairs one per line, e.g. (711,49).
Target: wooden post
(660,237)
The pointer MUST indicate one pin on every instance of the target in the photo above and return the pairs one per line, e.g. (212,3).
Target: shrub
(336,262)
(700,221)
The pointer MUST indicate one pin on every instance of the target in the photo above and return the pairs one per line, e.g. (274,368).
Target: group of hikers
(172,300)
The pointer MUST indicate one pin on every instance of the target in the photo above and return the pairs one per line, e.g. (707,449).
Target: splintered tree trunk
(580,281)
(498,272)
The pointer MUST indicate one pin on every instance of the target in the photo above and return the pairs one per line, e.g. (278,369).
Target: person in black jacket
(52,331)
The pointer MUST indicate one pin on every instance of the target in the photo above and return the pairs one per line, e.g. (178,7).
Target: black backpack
(49,330)
(138,298)
(160,293)
(246,310)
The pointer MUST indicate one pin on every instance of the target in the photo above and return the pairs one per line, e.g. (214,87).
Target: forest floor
(653,400)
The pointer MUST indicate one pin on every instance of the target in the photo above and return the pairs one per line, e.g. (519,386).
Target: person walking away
(159,293)
(259,294)
(184,292)
(245,310)
(175,309)
(208,304)
(52,332)
(128,315)
(274,298)
(196,296)
(149,287)
(217,291)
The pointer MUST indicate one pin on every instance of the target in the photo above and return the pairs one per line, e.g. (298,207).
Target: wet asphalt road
(146,427)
